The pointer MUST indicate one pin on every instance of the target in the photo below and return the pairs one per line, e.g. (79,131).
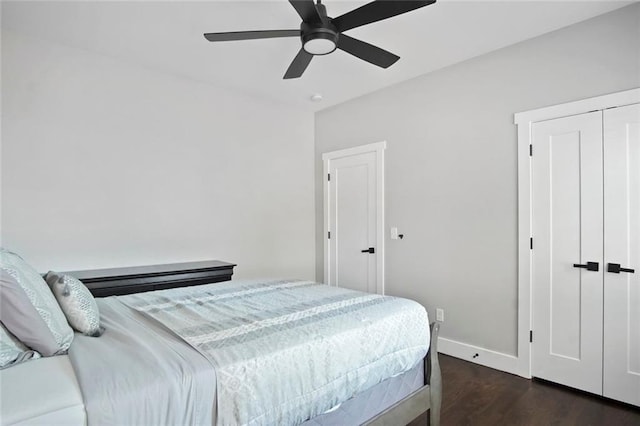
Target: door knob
(616,269)
(369,250)
(589,266)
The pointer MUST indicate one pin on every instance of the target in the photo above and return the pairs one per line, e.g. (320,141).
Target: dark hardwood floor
(476,395)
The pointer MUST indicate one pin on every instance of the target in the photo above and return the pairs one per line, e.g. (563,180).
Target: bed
(198,361)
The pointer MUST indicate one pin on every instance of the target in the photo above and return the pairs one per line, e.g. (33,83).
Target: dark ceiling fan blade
(376,11)
(367,52)
(306,9)
(299,64)
(251,35)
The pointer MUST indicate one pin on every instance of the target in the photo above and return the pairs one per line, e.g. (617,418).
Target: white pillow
(29,310)
(76,302)
(12,351)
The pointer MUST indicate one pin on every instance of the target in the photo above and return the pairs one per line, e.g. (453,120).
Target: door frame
(524,121)
(378,148)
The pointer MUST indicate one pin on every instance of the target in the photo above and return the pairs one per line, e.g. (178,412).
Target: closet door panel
(622,246)
(567,229)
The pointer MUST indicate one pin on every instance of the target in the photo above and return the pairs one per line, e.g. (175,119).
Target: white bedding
(268,353)
(285,351)
(139,373)
(41,392)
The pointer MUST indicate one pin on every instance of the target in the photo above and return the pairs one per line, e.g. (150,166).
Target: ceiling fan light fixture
(318,40)
(319,46)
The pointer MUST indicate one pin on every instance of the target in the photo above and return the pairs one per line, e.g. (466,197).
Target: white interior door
(567,229)
(354,224)
(622,249)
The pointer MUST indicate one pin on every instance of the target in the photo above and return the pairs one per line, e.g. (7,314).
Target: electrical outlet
(440,315)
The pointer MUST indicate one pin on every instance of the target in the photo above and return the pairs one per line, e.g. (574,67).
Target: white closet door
(567,229)
(622,247)
(353,194)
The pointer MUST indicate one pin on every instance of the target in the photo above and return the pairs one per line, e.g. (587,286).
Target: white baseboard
(488,358)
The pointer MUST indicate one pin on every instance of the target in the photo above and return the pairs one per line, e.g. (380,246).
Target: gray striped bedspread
(286,351)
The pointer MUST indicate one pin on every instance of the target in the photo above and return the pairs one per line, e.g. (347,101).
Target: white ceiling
(168,36)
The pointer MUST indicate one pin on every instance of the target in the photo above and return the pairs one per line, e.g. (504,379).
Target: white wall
(451,165)
(107,164)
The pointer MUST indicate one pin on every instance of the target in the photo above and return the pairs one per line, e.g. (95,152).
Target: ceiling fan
(321,34)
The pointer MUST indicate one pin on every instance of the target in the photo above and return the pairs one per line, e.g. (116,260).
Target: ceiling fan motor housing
(319,38)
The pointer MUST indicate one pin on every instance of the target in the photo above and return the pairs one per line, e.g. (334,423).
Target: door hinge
(531,243)
(530,150)
(329,235)
(530,336)
(328,176)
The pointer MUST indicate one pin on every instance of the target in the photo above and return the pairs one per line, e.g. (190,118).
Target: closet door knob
(589,266)
(616,269)
(369,250)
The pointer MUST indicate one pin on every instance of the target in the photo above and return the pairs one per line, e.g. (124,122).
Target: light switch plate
(394,233)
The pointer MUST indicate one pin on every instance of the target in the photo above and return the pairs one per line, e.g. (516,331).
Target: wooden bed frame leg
(435,377)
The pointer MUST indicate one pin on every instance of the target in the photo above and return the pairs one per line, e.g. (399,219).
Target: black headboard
(137,279)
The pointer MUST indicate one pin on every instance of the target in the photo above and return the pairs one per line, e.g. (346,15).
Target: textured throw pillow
(76,302)
(12,351)
(29,310)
